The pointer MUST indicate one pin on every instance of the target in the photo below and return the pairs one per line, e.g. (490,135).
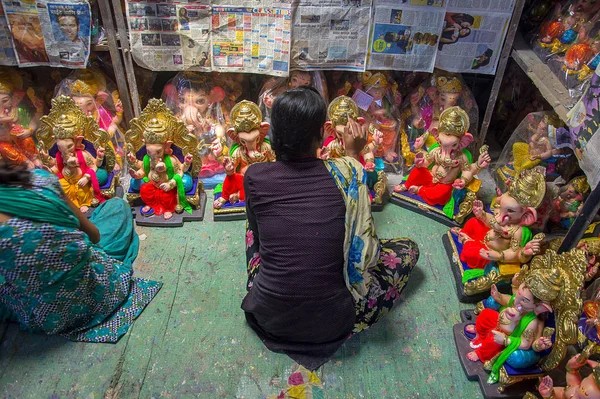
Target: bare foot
(472,356)
(217,204)
(168,215)
(414,189)
(146,209)
(400,188)
(84,209)
(470,328)
(455,231)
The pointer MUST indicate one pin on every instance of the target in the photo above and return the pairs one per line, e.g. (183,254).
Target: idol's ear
(264,130)
(101,97)
(232,134)
(542,307)
(217,94)
(529,217)
(361,121)
(170,93)
(17,97)
(329,129)
(168,150)
(466,140)
(78,141)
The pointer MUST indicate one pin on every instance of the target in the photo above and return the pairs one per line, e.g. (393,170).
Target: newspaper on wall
(7,47)
(25,28)
(331,34)
(67,31)
(406,34)
(255,40)
(170,35)
(473,35)
(46,32)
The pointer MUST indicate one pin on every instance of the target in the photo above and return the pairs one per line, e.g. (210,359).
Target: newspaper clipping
(28,38)
(406,34)
(473,34)
(66,27)
(255,40)
(331,34)
(7,49)
(170,35)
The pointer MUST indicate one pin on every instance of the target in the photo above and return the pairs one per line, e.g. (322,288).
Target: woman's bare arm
(84,224)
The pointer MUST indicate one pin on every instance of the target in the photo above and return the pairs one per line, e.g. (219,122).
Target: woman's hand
(355,139)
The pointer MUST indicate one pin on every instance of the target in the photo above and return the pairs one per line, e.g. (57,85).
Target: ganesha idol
(340,111)
(196,101)
(442,182)
(421,113)
(274,87)
(569,201)
(531,145)
(20,111)
(74,148)
(93,94)
(381,116)
(164,165)
(518,337)
(491,248)
(251,145)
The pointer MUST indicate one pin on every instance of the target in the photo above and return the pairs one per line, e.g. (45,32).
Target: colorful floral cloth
(54,280)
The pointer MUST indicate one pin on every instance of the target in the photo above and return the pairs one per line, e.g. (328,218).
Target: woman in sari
(61,273)
(317,272)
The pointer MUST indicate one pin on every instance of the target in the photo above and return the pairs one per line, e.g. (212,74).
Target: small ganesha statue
(19,115)
(251,145)
(341,110)
(151,144)
(74,148)
(449,160)
(504,236)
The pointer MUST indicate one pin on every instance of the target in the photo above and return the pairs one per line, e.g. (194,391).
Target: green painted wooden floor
(192,340)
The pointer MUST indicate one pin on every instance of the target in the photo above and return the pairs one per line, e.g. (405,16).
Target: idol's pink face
(6,105)
(250,139)
(510,211)
(156,152)
(298,79)
(86,104)
(542,128)
(524,301)
(570,193)
(448,100)
(377,92)
(197,99)
(67,150)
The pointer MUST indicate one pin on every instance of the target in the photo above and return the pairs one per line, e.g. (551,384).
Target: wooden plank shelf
(542,77)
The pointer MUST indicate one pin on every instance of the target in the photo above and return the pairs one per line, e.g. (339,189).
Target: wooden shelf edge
(551,88)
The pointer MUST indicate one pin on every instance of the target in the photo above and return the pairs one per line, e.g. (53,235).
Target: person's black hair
(297,119)
(460,18)
(391,37)
(465,35)
(14,176)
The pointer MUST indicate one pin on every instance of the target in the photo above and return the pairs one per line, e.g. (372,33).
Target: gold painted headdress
(529,187)
(10,80)
(342,109)
(374,80)
(86,82)
(454,121)
(157,125)
(545,284)
(66,121)
(450,85)
(580,184)
(245,116)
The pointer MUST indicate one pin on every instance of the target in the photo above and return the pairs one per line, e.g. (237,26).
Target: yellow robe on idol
(81,196)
